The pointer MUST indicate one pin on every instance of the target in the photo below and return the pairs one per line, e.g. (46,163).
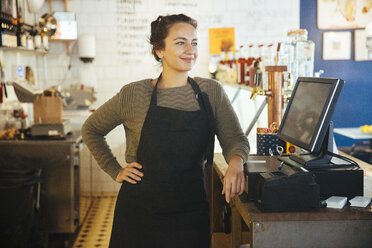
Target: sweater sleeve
(229,132)
(97,126)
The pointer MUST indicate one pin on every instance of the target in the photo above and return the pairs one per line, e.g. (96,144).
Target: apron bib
(168,207)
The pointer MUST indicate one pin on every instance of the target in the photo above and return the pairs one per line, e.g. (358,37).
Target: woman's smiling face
(181,48)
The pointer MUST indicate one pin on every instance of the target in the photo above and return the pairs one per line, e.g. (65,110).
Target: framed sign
(344,14)
(336,45)
(221,40)
(360,45)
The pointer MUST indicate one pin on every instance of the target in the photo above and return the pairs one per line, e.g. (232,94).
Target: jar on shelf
(300,55)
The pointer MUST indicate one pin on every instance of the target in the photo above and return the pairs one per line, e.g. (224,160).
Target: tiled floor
(96,229)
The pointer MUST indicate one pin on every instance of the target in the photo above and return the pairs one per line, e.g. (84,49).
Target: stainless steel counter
(61,195)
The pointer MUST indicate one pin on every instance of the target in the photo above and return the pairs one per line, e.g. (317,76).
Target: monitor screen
(309,111)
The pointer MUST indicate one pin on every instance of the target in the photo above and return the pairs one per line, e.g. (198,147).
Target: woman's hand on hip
(234,182)
(130,173)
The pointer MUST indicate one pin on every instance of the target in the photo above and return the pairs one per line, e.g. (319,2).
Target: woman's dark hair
(160,28)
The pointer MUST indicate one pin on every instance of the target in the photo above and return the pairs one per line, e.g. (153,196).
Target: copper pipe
(66,5)
(50,6)
(275,99)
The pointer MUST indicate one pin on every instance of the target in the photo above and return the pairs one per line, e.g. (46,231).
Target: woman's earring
(160,60)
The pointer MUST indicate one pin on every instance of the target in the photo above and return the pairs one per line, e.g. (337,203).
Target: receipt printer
(290,190)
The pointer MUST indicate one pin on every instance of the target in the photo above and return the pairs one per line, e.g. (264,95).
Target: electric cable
(343,158)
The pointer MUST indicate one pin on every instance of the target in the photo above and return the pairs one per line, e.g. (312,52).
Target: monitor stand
(313,160)
(334,179)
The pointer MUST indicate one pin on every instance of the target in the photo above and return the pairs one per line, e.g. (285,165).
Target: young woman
(170,123)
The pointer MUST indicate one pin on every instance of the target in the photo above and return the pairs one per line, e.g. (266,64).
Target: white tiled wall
(255,21)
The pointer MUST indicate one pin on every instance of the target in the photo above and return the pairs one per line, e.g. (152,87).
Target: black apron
(168,207)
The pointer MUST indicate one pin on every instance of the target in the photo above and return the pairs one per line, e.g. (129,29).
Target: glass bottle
(267,60)
(240,60)
(301,54)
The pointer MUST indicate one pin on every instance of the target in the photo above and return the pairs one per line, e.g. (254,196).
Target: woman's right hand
(130,173)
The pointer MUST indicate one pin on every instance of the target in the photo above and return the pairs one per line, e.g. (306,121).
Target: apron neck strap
(194,86)
(153,95)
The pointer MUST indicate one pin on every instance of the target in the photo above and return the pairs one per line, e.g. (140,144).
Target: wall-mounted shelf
(21,49)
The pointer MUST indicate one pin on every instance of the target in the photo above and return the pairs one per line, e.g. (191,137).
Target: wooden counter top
(367,168)
(250,213)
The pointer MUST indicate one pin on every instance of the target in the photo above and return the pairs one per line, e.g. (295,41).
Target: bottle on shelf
(254,50)
(227,68)
(241,65)
(267,58)
(252,72)
(248,65)
(8,22)
(21,38)
(261,50)
(269,55)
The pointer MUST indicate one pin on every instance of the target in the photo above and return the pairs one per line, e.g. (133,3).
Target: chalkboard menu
(254,21)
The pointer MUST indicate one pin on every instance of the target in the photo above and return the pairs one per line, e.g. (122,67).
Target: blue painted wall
(354,107)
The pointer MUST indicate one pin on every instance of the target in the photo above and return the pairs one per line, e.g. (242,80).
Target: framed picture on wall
(336,45)
(360,46)
(343,14)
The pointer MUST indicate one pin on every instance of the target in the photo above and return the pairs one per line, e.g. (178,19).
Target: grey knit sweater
(129,108)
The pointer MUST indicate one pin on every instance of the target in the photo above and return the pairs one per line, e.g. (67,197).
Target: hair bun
(157,21)
(154,27)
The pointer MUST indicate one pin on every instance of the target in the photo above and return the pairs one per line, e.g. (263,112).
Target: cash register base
(266,183)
